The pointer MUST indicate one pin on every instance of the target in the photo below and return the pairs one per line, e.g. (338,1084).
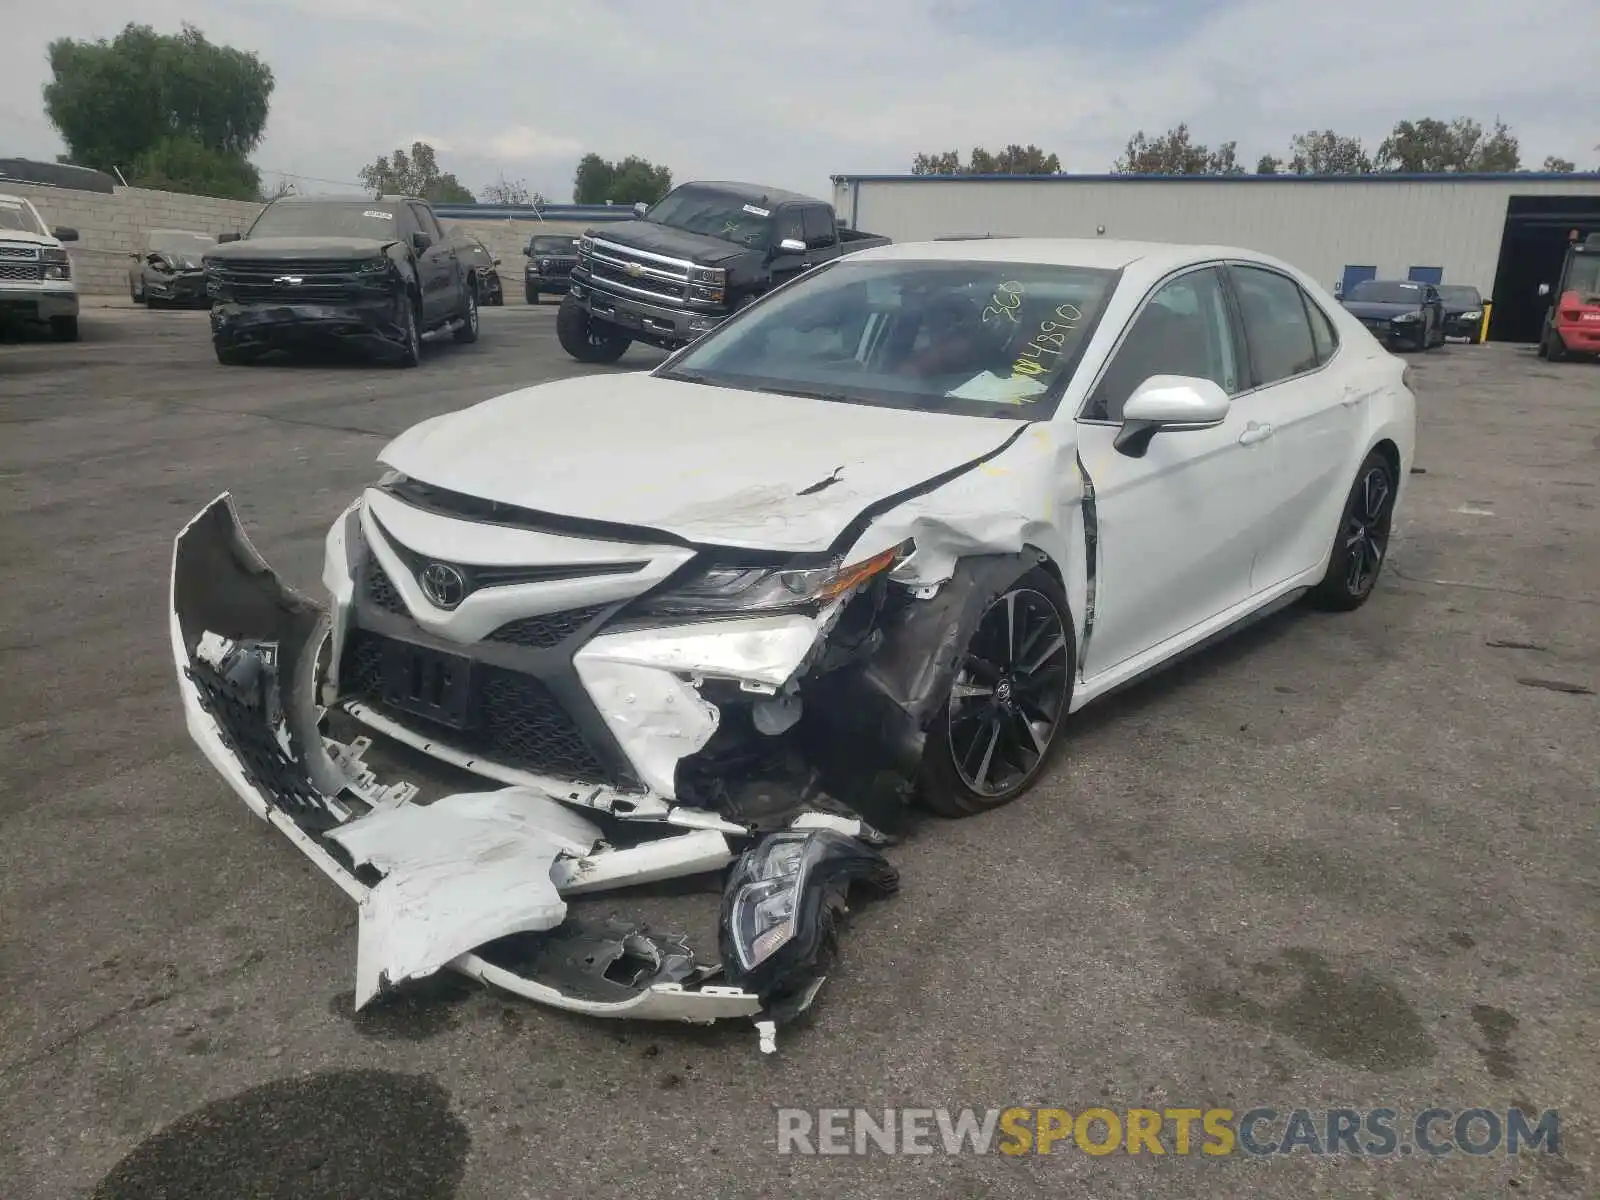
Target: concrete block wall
(111,228)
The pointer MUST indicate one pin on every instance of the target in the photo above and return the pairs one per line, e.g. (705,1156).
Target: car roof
(1105,253)
(755,191)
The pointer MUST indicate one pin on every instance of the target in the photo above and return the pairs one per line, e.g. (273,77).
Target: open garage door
(1531,249)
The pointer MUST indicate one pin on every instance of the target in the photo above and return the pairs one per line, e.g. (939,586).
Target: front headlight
(54,264)
(1404,317)
(762,916)
(1475,315)
(728,591)
(373,266)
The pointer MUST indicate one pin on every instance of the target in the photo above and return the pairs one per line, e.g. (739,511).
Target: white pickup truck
(36,281)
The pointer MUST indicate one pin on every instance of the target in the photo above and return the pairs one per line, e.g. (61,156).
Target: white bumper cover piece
(462,878)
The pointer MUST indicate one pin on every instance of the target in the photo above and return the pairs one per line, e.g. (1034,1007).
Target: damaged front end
(477,881)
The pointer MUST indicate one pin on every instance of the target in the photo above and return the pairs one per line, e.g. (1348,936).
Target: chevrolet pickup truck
(36,281)
(704,252)
(373,275)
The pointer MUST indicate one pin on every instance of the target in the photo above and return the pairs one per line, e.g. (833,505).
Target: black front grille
(320,281)
(548,630)
(603,273)
(18,252)
(29,272)
(556,266)
(381,590)
(518,722)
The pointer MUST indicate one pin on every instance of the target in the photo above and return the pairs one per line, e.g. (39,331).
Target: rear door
(1307,391)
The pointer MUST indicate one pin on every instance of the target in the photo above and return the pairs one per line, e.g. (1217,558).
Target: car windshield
(986,339)
(1379,291)
(1460,297)
(180,243)
(356,219)
(1584,275)
(715,213)
(553,244)
(17,216)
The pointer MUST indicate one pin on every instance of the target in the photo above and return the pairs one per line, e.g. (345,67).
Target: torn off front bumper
(370,324)
(477,881)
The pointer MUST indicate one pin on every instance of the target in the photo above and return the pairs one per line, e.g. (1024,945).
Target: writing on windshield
(979,338)
(359,219)
(715,214)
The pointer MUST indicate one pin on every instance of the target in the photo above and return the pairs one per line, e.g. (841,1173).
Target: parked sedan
(170,269)
(1463,312)
(877,538)
(1399,312)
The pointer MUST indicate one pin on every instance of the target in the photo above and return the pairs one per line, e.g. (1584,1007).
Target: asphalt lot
(1339,861)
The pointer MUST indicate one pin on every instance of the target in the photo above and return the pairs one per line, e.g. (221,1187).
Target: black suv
(372,274)
(551,257)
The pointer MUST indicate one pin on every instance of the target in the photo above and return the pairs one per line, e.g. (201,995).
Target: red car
(1573,323)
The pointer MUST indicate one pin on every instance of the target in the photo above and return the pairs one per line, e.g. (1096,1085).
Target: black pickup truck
(705,251)
(370,274)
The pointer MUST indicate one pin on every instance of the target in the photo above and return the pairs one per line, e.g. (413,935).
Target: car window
(789,225)
(818,224)
(989,339)
(1182,330)
(1324,337)
(1275,324)
(425,221)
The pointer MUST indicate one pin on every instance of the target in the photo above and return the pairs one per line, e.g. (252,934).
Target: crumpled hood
(708,465)
(674,243)
(298,247)
(1367,309)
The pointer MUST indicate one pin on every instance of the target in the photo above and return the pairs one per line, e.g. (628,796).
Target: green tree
(1015,159)
(1559,166)
(1177,153)
(1269,165)
(168,110)
(628,181)
(418,174)
(1324,152)
(509,191)
(1431,146)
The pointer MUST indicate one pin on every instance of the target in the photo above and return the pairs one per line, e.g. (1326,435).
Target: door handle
(1255,432)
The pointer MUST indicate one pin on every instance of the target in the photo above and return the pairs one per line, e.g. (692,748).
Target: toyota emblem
(442,584)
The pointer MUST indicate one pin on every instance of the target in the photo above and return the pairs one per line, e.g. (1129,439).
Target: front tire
(585,339)
(467,332)
(411,344)
(228,356)
(1362,543)
(1008,702)
(64,329)
(531,293)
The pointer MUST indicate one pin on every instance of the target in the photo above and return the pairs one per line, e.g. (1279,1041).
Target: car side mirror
(64,233)
(227,237)
(640,208)
(792,246)
(1169,402)
(420,242)
(497,262)
(1544,289)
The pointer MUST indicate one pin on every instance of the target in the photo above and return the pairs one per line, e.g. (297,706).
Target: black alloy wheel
(1007,704)
(411,335)
(1362,544)
(467,331)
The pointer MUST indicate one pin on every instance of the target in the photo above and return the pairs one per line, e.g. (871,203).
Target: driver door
(1178,528)
(436,269)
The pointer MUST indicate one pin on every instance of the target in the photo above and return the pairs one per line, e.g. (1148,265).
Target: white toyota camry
(874,539)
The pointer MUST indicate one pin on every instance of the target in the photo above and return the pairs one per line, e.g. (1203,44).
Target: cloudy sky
(791,94)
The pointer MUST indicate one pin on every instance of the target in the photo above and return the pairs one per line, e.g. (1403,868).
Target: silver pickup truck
(36,281)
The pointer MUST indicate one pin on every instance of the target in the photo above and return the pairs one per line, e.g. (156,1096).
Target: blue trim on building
(1382,177)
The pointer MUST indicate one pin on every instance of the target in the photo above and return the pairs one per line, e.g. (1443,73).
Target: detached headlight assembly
(780,905)
(730,591)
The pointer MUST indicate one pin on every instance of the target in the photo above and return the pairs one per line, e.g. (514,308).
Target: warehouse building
(1503,234)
